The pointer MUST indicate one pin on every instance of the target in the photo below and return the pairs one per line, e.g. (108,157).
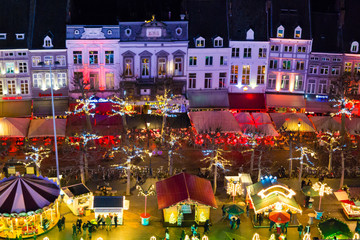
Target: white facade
(288,65)
(248,66)
(208,68)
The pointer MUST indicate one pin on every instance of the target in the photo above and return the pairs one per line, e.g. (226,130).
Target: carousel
(28,206)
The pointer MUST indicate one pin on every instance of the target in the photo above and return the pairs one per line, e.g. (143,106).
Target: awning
(15,109)
(208,99)
(326,123)
(285,101)
(102,125)
(139,121)
(290,122)
(211,121)
(313,105)
(14,127)
(44,108)
(45,128)
(184,187)
(247,101)
(179,120)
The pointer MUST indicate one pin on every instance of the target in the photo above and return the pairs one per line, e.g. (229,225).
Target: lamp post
(53,116)
(148,145)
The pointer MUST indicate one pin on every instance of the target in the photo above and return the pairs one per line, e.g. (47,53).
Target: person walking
(59,225)
(303,183)
(260,219)
(84,227)
(90,229)
(74,228)
(103,221)
(206,226)
(300,229)
(238,223)
(108,223)
(286,226)
(115,220)
(79,224)
(271,225)
(278,229)
(183,234)
(167,235)
(247,210)
(307,228)
(223,211)
(63,222)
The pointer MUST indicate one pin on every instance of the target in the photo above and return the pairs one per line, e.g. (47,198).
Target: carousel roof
(28,193)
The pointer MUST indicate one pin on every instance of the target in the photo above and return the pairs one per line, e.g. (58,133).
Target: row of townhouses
(235,54)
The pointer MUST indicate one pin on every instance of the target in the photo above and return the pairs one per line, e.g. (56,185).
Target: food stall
(185,199)
(110,206)
(29,206)
(78,198)
(350,201)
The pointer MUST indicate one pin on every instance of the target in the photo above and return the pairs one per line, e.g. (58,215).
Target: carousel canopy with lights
(269,193)
(25,194)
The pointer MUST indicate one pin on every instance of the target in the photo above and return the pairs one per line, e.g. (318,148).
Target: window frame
(192,81)
(77,57)
(207,80)
(109,57)
(93,57)
(245,76)
(234,74)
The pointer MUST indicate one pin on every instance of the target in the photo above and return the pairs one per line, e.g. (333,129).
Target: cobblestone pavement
(132,228)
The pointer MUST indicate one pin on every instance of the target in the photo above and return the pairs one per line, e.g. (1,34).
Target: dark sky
(109,11)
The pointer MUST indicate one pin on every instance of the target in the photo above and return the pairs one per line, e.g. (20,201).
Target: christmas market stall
(78,198)
(268,195)
(185,199)
(28,206)
(350,201)
(110,206)
(332,227)
(211,121)
(45,128)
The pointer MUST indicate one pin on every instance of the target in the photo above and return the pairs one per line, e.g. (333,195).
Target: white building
(94,56)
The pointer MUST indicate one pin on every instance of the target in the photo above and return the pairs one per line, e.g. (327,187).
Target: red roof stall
(184,199)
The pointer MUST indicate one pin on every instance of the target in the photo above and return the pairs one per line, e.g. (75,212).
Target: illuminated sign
(100,100)
(11,98)
(49,95)
(153,32)
(322,96)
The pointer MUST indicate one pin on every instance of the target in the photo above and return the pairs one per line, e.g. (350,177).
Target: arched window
(354,47)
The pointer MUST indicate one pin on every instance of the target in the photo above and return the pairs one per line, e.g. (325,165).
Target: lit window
(35,61)
(348,66)
(161,67)
(192,60)
(354,47)
(298,83)
(245,80)
(128,67)
(286,65)
(109,57)
(37,80)
(288,48)
(260,75)
(61,80)
(93,57)
(1,88)
(48,60)
(301,49)
(357,68)
(48,79)
(274,48)
(280,32)
(285,82)
(77,56)
(262,52)
(10,67)
(109,81)
(271,81)
(94,81)
(178,66)
(200,42)
(24,87)
(145,67)
(234,74)
(192,80)
(208,78)
(297,33)
(11,85)
(61,59)
(47,42)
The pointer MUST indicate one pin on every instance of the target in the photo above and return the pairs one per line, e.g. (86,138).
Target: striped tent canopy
(24,194)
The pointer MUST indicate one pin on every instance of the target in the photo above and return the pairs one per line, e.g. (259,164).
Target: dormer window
(218,42)
(280,32)
(250,34)
(354,47)
(128,32)
(297,32)
(20,36)
(109,32)
(2,36)
(76,32)
(200,42)
(47,42)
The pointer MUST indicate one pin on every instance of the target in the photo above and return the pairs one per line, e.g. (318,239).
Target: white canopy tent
(211,121)
(14,127)
(326,123)
(291,121)
(44,128)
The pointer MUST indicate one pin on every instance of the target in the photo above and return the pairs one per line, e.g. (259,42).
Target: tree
(173,145)
(344,91)
(331,141)
(83,141)
(37,155)
(122,108)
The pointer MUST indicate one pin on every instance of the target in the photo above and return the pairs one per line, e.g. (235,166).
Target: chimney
(182,17)
(169,15)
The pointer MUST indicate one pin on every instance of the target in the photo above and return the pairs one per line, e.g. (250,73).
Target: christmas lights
(123,107)
(322,188)
(37,155)
(256,237)
(84,106)
(233,188)
(346,107)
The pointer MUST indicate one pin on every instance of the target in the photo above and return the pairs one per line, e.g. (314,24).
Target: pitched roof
(290,14)
(184,187)
(208,19)
(76,190)
(14,18)
(245,15)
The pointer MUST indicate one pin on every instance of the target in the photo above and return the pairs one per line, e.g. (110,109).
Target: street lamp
(148,145)
(53,115)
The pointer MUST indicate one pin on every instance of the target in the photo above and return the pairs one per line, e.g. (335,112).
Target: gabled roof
(290,14)
(184,187)
(207,19)
(76,190)
(245,15)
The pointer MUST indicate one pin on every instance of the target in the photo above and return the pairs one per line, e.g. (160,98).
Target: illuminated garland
(322,188)
(130,153)
(172,219)
(304,151)
(272,237)
(84,139)
(218,160)
(307,236)
(37,155)
(150,192)
(84,106)
(233,188)
(123,106)
(163,106)
(343,103)
(256,237)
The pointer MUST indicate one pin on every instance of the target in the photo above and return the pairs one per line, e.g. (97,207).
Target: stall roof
(14,127)
(283,100)
(315,106)
(208,99)
(211,121)
(290,122)
(108,202)
(179,120)
(261,118)
(138,121)
(184,187)
(44,128)
(76,190)
(247,101)
(326,123)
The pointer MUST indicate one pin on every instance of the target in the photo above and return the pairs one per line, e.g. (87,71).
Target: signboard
(30,170)
(11,98)
(11,170)
(153,32)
